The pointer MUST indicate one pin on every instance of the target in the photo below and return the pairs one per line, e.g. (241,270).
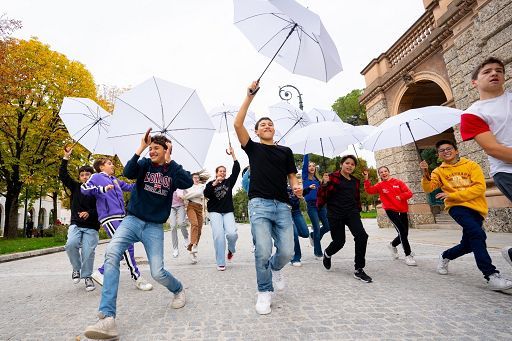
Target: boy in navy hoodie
(108,191)
(149,208)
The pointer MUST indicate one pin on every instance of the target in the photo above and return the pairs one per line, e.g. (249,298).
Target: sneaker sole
(96,334)
(265,312)
(362,280)
(90,288)
(76,281)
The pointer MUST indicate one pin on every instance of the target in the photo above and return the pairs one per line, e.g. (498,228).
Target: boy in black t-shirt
(271,221)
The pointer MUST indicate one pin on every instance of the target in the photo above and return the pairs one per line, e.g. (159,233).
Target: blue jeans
(86,239)
(223,227)
(300,229)
(270,219)
(316,215)
(473,239)
(133,230)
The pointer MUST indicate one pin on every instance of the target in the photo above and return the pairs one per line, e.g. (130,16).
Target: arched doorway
(419,94)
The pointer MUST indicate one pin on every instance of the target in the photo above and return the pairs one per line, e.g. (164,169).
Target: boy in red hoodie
(393,194)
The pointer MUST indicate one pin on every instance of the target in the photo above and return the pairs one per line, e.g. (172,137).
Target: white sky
(194,43)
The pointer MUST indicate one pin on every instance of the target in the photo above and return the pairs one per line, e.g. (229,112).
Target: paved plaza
(40,301)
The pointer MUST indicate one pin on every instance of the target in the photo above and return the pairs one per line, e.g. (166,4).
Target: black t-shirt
(270,166)
(343,198)
(220,197)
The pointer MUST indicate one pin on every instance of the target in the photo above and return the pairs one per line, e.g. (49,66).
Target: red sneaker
(230,255)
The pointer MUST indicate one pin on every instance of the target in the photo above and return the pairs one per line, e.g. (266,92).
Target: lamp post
(287,95)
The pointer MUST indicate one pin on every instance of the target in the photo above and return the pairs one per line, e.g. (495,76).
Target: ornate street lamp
(287,95)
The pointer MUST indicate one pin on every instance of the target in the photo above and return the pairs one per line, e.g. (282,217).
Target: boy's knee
(158,274)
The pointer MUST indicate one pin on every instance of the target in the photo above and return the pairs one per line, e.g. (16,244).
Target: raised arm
(131,170)
(63,171)
(241,132)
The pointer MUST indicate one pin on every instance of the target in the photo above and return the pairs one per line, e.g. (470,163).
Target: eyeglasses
(447,149)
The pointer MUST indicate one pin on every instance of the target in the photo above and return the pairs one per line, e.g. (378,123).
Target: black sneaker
(361,275)
(89,284)
(327,261)
(75,276)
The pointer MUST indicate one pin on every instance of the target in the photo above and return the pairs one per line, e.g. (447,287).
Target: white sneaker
(507,254)
(142,284)
(98,277)
(185,243)
(179,300)
(193,258)
(194,249)
(497,282)
(175,253)
(278,280)
(409,260)
(394,251)
(442,265)
(297,264)
(263,303)
(105,328)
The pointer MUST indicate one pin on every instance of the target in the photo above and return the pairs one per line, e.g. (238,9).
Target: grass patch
(369,214)
(28,244)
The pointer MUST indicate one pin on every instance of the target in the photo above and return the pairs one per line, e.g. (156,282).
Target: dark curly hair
(343,159)
(161,140)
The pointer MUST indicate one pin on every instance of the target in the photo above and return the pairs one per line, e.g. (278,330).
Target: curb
(34,253)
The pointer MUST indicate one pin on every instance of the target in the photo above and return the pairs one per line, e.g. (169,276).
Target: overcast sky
(194,43)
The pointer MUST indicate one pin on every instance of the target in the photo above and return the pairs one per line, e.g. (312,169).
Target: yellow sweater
(464,183)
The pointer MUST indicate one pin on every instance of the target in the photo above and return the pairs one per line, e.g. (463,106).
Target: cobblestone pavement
(40,302)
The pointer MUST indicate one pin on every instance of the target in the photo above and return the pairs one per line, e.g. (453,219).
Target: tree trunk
(11,211)
(54,199)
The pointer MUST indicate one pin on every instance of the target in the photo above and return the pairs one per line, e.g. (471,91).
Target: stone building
(431,64)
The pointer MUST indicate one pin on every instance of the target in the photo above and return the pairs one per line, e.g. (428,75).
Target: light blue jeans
(85,239)
(132,230)
(223,227)
(270,219)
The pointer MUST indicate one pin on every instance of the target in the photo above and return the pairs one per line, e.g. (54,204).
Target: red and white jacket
(393,194)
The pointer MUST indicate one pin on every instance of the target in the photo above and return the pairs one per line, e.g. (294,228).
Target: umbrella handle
(227,151)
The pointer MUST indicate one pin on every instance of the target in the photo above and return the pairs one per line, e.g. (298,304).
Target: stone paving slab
(40,302)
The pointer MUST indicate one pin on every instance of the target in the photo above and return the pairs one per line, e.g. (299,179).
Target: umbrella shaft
(280,47)
(415,143)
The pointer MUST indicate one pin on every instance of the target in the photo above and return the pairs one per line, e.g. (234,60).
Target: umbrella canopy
(321,115)
(289,33)
(325,138)
(412,125)
(170,109)
(87,123)
(287,119)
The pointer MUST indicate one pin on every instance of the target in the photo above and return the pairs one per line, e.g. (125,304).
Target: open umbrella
(326,138)
(223,118)
(170,109)
(321,115)
(87,123)
(287,118)
(412,125)
(289,33)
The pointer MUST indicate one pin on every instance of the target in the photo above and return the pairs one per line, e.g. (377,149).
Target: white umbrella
(87,123)
(321,115)
(412,125)
(289,33)
(287,118)
(223,118)
(170,109)
(326,138)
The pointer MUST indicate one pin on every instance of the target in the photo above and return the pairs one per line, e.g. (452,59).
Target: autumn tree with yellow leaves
(34,81)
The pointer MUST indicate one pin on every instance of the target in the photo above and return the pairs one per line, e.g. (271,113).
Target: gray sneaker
(179,300)
(442,265)
(75,276)
(89,284)
(496,282)
(105,328)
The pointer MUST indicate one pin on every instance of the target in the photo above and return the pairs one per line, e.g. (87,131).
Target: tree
(350,110)
(34,82)
(240,204)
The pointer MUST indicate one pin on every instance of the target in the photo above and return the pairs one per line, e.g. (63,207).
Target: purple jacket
(109,204)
